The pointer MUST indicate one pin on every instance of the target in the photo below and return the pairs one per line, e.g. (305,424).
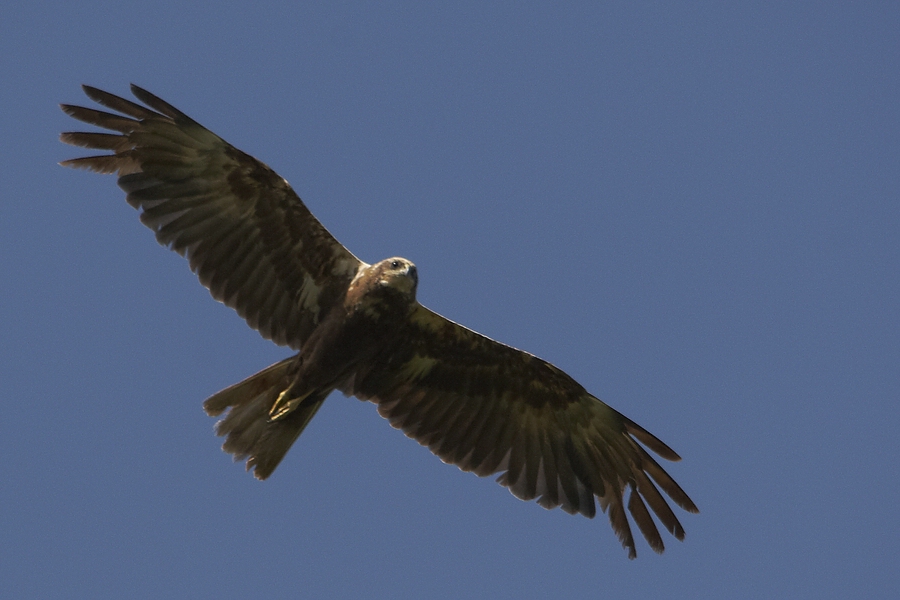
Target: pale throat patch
(400,282)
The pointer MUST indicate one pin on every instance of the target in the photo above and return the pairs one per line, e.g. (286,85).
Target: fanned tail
(249,432)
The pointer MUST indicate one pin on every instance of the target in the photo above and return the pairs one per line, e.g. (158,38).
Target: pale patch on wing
(418,367)
(309,296)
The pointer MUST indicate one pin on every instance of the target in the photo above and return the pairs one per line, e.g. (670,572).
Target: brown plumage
(476,403)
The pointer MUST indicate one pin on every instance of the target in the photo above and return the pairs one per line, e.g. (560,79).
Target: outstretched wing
(489,408)
(246,233)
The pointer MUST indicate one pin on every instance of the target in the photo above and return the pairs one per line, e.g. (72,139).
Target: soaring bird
(476,403)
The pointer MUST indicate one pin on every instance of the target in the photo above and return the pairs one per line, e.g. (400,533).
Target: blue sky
(692,208)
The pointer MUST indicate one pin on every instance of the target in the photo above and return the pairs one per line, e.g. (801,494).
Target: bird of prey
(476,403)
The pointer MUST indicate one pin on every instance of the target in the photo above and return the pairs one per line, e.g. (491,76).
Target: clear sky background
(690,207)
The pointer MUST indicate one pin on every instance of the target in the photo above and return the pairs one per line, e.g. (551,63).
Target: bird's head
(399,274)
(391,282)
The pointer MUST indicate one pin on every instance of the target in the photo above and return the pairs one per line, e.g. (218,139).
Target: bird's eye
(395,264)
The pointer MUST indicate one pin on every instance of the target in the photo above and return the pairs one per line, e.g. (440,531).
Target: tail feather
(249,432)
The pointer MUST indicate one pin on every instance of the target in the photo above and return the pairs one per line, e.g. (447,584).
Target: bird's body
(358,328)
